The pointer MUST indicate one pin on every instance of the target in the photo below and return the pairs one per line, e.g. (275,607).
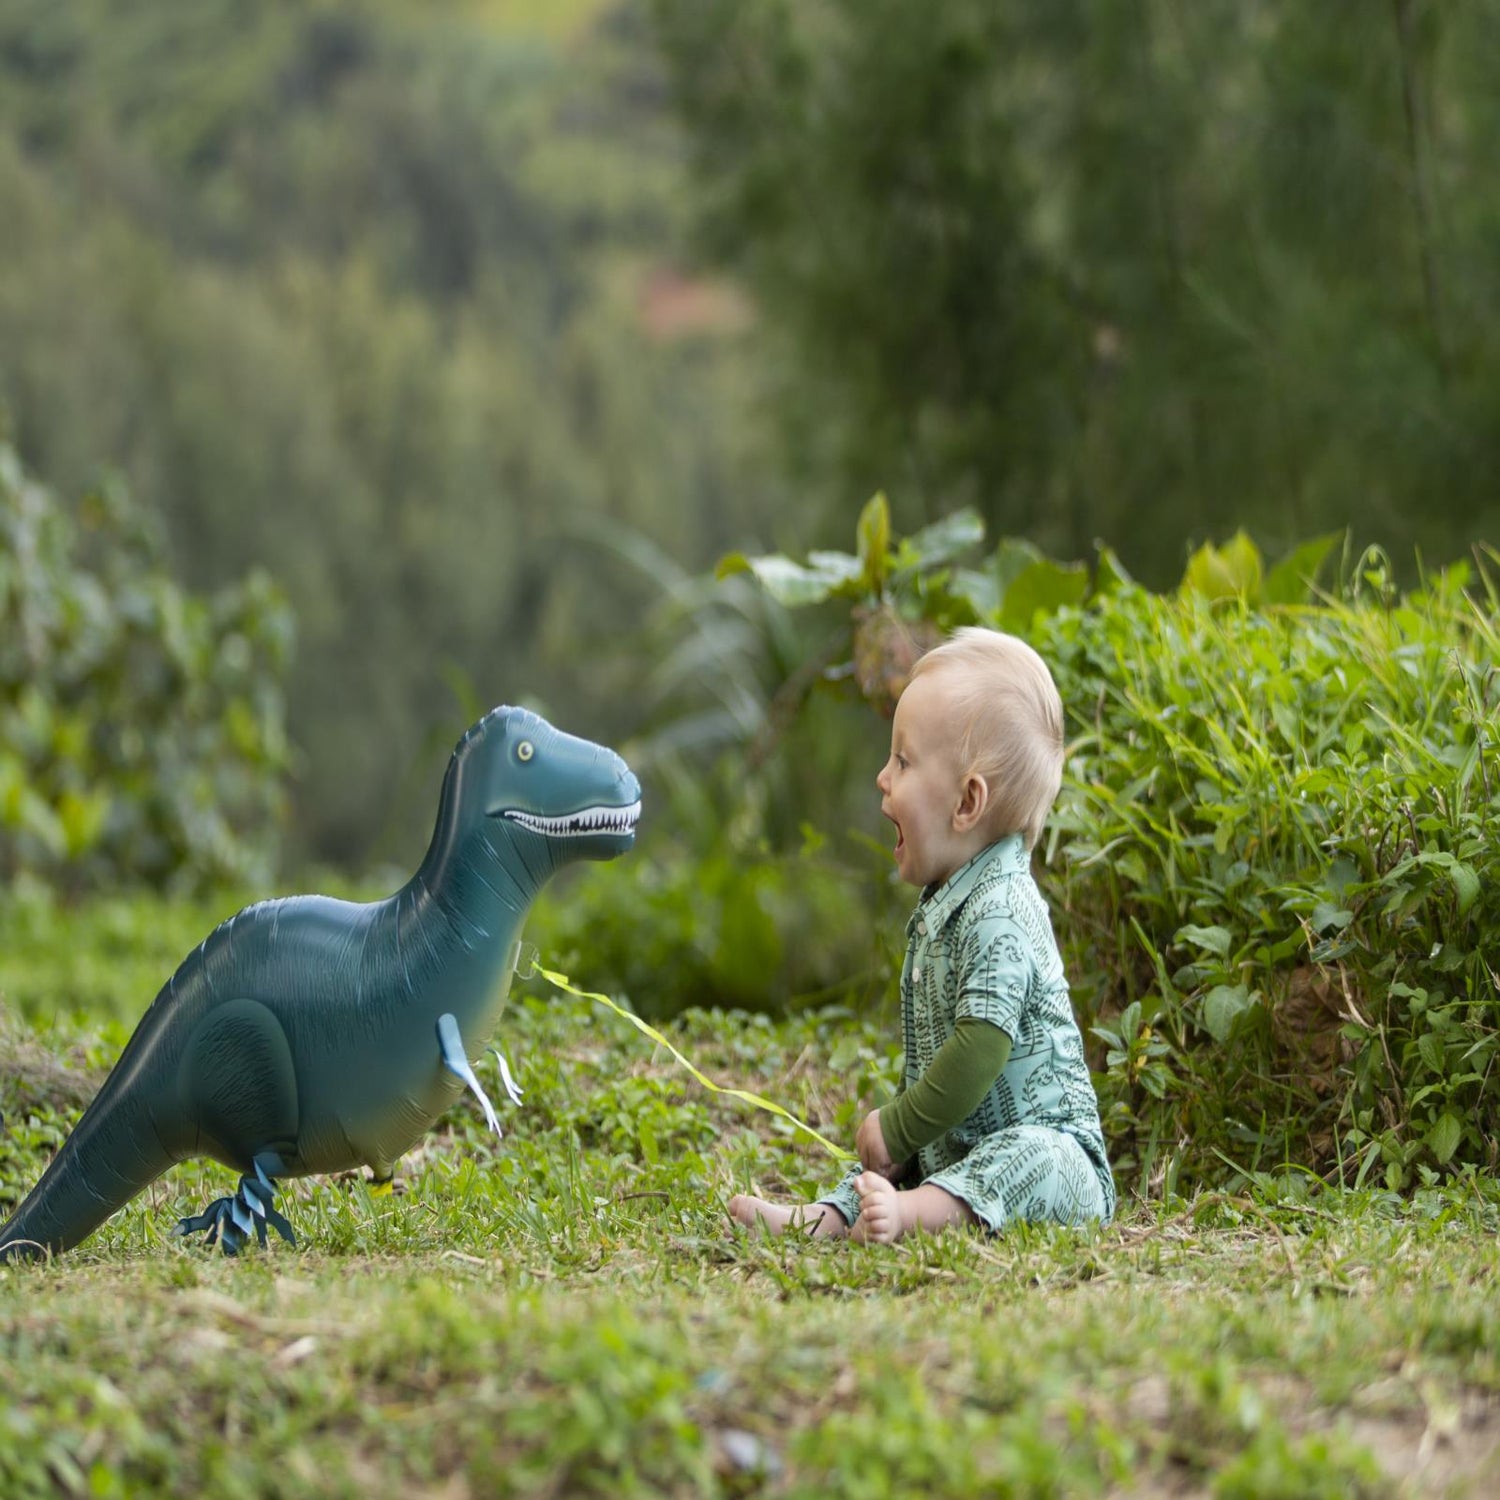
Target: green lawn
(562,1312)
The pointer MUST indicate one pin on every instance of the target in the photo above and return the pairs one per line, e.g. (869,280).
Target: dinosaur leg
(239,1086)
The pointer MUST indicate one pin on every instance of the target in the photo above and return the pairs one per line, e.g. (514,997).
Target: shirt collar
(1007,856)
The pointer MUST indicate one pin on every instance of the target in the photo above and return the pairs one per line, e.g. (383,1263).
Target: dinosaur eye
(525,750)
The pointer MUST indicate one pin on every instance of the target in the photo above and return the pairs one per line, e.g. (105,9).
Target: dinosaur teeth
(579,824)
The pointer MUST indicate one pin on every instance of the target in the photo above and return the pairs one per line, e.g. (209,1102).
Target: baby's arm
(948,1091)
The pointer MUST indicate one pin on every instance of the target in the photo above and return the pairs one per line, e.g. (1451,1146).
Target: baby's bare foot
(879,1221)
(776,1218)
(750,1212)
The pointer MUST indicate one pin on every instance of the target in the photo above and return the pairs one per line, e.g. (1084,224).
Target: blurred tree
(1118,268)
(372,297)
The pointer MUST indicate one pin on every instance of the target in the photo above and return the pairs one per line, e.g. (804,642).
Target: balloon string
(564,983)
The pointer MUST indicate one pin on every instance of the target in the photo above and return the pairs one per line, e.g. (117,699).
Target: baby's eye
(900,762)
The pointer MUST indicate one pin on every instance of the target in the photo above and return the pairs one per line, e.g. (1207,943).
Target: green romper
(981,946)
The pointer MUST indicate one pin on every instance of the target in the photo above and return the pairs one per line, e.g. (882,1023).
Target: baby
(996,1119)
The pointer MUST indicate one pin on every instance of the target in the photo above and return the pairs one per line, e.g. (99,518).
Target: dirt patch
(1449,1447)
(1427,1442)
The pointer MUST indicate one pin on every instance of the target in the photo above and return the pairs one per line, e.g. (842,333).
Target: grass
(563,1313)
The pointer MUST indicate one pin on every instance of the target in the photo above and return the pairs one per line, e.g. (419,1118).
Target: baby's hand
(869,1142)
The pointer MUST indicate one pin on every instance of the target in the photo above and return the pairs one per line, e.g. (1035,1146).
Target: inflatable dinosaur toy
(310,1035)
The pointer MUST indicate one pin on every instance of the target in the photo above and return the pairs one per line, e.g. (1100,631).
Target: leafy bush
(1277,875)
(1272,861)
(141,733)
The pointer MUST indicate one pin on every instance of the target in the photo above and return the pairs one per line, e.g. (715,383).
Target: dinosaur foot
(231,1221)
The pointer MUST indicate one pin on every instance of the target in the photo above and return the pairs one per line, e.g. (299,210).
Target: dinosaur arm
(451,1045)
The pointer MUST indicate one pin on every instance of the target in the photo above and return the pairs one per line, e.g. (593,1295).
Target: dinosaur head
(577,799)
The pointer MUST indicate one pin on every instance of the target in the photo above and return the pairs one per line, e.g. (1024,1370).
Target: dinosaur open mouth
(579,824)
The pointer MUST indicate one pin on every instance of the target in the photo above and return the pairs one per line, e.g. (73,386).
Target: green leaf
(1328,914)
(1430,1047)
(1466,884)
(874,541)
(846,1052)
(35,815)
(1293,580)
(980,589)
(1444,1137)
(793,583)
(1220,1007)
(844,573)
(1044,587)
(1111,576)
(131,694)
(943,540)
(1215,939)
(1013,555)
(1227,572)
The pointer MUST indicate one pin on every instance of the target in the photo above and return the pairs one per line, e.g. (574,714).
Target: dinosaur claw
(207,1221)
(512,1088)
(279,1223)
(229,1222)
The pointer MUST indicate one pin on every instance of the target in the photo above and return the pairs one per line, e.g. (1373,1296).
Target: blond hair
(1011,724)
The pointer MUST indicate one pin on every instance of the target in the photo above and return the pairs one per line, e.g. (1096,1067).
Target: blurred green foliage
(732,927)
(141,725)
(401,305)
(1141,271)
(391,302)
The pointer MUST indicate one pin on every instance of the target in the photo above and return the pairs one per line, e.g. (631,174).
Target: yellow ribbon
(564,983)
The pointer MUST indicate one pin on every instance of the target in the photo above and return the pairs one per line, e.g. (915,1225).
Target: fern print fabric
(982,945)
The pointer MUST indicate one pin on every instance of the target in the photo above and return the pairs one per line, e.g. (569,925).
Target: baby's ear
(973,800)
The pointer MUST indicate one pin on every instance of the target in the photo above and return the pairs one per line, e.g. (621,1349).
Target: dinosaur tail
(115,1151)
